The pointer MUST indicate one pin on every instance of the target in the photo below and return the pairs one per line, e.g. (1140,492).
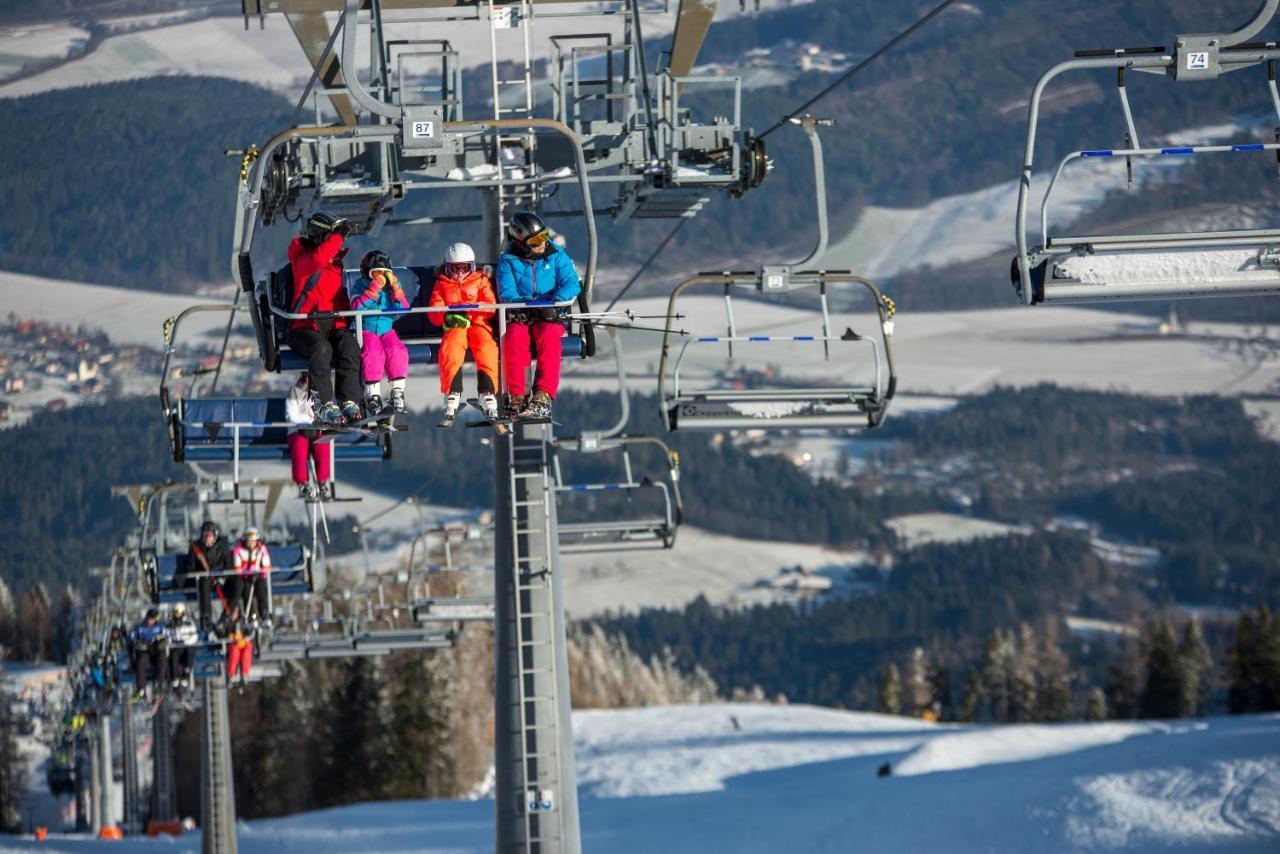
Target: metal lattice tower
(164,797)
(105,809)
(536,793)
(217,794)
(129,761)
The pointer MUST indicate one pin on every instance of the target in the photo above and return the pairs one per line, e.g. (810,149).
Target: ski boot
(330,415)
(452,403)
(489,403)
(513,405)
(373,404)
(351,412)
(539,406)
(326,491)
(398,405)
(307,492)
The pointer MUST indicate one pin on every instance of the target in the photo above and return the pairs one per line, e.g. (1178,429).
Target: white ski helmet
(459,260)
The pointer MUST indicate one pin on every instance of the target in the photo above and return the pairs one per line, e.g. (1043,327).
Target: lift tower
(610,121)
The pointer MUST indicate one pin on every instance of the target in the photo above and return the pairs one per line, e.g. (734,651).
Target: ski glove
(456,321)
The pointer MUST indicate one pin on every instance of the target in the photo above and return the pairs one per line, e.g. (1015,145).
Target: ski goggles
(459,269)
(538,239)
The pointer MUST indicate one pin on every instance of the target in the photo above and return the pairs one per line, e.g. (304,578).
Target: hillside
(749,778)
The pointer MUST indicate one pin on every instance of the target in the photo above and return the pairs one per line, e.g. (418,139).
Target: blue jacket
(551,278)
(144,636)
(379,300)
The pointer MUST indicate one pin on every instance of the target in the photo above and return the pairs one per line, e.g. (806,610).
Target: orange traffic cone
(110,832)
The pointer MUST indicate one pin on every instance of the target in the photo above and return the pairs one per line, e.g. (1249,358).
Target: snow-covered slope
(739,778)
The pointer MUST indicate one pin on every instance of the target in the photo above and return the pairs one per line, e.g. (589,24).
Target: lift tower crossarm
(313,33)
(693,21)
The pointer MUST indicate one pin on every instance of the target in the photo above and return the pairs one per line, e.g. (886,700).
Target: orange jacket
(475,288)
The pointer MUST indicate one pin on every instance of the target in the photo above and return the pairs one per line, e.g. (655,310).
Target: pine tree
(1242,666)
(65,619)
(1095,705)
(34,629)
(890,691)
(1124,679)
(971,699)
(940,692)
(8,621)
(1053,688)
(1255,664)
(1162,692)
(359,732)
(916,689)
(1269,662)
(1197,669)
(12,772)
(1022,681)
(420,766)
(997,674)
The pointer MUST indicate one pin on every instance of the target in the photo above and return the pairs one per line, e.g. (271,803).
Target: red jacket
(475,288)
(327,293)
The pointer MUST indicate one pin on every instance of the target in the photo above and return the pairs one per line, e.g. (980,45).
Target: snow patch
(1204,266)
(999,745)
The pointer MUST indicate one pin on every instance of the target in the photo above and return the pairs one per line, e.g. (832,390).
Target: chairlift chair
(655,531)
(853,403)
(1104,267)
(167,574)
(419,327)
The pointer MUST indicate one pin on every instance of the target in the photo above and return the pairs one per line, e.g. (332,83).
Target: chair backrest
(204,421)
(288,574)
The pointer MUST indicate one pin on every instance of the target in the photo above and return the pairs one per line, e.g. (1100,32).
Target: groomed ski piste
(761,778)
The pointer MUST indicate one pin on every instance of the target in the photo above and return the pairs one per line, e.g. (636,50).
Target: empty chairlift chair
(1102,267)
(855,399)
(599,527)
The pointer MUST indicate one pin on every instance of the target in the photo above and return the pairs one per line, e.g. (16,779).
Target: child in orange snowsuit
(459,282)
(239,650)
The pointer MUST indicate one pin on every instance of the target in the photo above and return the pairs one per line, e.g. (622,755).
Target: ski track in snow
(803,779)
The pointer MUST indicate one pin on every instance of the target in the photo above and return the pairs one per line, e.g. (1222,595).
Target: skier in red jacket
(328,344)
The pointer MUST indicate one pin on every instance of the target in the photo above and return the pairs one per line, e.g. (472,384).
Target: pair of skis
(501,426)
(371,425)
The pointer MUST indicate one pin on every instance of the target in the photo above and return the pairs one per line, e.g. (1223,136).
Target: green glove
(456,321)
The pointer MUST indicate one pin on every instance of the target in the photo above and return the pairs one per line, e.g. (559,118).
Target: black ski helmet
(526,225)
(152,614)
(374,260)
(209,526)
(320,225)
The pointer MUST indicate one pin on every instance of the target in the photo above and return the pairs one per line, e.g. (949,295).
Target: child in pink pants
(383,350)
(303,447)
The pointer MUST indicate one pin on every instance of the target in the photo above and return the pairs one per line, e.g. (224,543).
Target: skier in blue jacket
(149,645)
(533,269)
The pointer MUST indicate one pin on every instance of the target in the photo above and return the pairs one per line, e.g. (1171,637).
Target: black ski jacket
(218,556)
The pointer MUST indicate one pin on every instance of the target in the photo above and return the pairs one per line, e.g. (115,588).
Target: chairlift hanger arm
(250,192)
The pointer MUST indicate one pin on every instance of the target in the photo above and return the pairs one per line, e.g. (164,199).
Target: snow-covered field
(743,778)
(918,529)
(22,45)
(723,569)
